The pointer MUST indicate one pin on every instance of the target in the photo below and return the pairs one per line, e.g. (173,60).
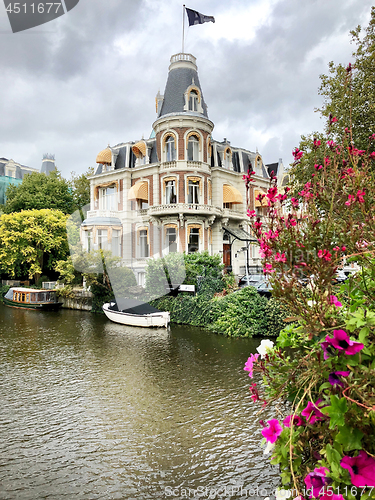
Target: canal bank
(92,409)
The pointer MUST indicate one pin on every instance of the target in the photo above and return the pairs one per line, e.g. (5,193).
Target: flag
(197,18)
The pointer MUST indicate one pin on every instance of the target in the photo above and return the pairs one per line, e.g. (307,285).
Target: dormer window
(193,99)
(228,158)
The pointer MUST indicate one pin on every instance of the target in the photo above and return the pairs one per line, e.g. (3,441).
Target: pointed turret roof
(183,74)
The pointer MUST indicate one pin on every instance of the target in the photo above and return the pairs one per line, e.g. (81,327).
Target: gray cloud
(90,77)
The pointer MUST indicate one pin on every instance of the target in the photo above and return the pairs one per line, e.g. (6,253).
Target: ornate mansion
(178,191)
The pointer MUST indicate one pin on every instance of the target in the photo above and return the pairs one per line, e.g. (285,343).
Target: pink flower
(297,153)
(251,213)
(271,195)
(273,431)
(317,143)
(293,222)
(254,392)
(351,199)
(280,257)
(295,202)
(343,248)
(324,254)
(360,195)
(372,155)
(361,469)
(334,300)
(327,496)
(331,144)
(317,480)
(372,137)
(318,167)
(342,342)
(312,412)
(249,364)
(268,269)
(334,119)
(295,419)
(327,161)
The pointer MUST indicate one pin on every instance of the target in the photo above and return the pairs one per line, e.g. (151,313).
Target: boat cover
(132,306)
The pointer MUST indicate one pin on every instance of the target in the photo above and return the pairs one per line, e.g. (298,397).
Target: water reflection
(92,409)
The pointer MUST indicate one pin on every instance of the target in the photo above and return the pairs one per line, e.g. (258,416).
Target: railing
(102,213)
(183,57)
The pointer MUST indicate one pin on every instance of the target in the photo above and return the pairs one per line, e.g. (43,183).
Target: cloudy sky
(90,77)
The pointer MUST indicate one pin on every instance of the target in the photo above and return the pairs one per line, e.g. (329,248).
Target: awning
(240,234)
(231,194)
(104,157)
(140,149)
(257,202)
(139,191)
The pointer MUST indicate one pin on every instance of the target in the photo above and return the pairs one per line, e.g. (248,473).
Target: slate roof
(272,167)
(179,79)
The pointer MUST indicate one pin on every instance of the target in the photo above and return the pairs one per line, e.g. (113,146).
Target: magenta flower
(334,300)
(351,199)
(312,412)
(335,380)
(251,213)
(328,350)
(361,469)
(249,364)
(360,196)
(295,419)
(273,431)
(280,257)
(317,480)
(295,202)
(297,153)
(254,392)
(328,496)
(342,342)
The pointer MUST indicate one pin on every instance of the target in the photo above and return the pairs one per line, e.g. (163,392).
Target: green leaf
(350,438)
(336,411)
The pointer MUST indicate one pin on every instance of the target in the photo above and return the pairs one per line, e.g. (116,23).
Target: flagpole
(183,26)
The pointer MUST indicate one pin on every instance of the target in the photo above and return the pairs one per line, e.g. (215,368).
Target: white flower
(281,494)
(265,347)
(270,446)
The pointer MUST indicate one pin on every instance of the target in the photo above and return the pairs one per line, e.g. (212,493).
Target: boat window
(32,297)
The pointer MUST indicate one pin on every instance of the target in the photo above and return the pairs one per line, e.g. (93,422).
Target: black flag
(197,18)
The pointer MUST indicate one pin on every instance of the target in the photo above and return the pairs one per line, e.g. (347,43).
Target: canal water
(95,410)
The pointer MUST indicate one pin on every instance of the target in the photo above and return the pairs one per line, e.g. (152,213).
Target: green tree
(80,188)
(40,191)
(348,102)
(32,241)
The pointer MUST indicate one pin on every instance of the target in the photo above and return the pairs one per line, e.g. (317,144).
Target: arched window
(170,149)
(193,148)
(170,192)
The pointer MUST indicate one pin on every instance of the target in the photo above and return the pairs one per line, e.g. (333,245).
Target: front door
(227,256)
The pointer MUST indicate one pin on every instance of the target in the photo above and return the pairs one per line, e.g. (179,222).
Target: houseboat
(31,298)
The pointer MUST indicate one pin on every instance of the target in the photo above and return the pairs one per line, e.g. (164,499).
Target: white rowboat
(136,313)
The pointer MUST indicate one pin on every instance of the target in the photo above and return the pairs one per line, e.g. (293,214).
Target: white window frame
(170,149)
(193,192)
(193,153)
(170,186)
